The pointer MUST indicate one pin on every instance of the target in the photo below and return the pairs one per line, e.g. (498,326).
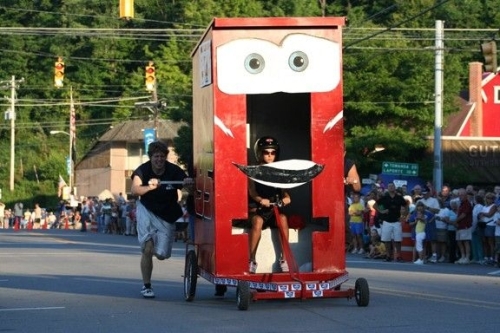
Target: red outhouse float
(281,77)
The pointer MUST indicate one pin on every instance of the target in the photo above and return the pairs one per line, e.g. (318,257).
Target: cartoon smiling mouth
(282,174)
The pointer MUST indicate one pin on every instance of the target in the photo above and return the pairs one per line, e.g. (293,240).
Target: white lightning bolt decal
(223,127)
(334,121)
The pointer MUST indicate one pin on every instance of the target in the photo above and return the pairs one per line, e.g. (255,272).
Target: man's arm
(353,178)
(139,189)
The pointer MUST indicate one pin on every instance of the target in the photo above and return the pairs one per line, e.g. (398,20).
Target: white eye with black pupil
(298,61)
(254,63)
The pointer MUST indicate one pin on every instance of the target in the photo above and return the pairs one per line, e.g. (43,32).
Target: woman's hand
(265,202)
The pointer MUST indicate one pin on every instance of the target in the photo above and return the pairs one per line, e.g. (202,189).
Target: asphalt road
(68,281)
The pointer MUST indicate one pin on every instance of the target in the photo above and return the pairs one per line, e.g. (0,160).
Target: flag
(72,126)
(149,136)
(60,186)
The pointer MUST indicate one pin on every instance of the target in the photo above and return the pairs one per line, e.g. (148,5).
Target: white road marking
(439,298)
(34,309)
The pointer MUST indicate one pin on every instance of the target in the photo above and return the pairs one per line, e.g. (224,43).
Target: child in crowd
(356,210)
(419,223)
(181,225)
(377,248)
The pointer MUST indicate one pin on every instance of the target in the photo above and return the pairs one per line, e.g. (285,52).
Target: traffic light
(127,9)
(150,77)
(59,73)
(489,50)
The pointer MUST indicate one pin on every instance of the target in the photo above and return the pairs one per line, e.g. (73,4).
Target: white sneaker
(361,251)
(465,261)
(147,292)
(442,259)
(354,251)
(433,258)
(460,261)
(418,262)
(284,266)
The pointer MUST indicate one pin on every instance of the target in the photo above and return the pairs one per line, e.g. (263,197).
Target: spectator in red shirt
(464,227)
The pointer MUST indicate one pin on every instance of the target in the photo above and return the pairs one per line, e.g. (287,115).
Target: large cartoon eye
(298,61)
(241,68)
(254,63)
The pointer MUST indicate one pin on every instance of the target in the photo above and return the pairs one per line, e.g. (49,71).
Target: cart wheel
(362,292)
(190,275)
(243,295)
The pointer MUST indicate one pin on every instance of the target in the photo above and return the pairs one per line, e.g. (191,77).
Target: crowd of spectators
(439,231)
(460,226)
(111,216)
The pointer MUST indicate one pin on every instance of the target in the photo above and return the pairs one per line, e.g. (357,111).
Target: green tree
(388,72)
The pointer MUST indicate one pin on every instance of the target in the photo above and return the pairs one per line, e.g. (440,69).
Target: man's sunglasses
(270,152)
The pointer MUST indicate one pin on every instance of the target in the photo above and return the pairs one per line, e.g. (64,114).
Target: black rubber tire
(243,295)
(220,290)
(190,275)
(362,292)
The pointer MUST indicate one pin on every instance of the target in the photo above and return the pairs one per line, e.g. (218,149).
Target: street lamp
(70,156)
(376,149)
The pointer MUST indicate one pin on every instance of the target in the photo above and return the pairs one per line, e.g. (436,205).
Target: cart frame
(228,114)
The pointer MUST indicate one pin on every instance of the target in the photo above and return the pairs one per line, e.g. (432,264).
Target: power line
(399,24)
(95,16)
(58,124)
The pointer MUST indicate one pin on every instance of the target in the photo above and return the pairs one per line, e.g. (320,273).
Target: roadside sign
(366,181)
(398,168)
(399,183)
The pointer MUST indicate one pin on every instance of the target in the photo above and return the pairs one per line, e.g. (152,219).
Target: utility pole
(156,110)
(322,4)
(72,136)
(12,115)
(12,130)
(154,106)
(438,111)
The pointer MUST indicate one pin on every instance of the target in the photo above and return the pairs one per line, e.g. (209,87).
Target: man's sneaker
(284,266)
(361,251)
(147,292)
(399,259)
(465,261)
(442,259)
(433,259)
(418,262)
(252,267)
(460,261)
(354,251)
